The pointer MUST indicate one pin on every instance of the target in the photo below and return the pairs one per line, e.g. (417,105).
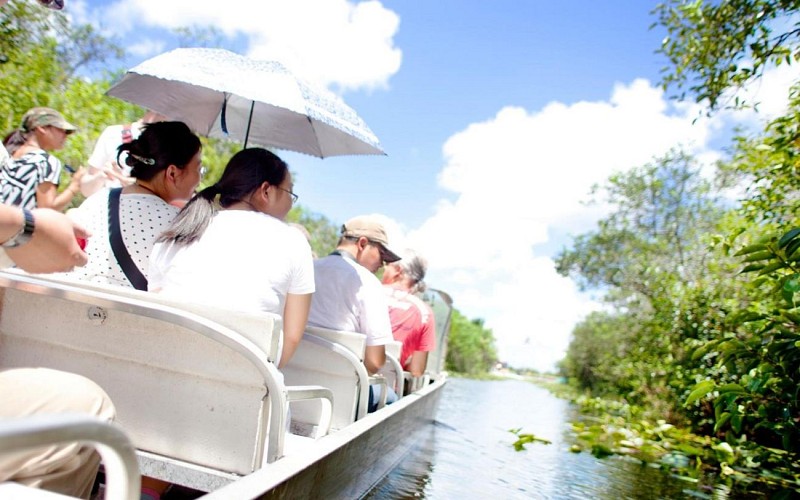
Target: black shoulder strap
(132,272)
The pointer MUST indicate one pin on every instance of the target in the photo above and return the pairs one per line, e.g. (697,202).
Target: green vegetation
(524,439)
(698,353)
(715,46)
(470,346)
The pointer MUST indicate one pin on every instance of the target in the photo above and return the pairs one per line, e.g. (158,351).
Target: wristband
(25,232)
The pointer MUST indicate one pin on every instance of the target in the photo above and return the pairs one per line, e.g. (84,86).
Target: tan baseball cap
(42,117)
(370,228)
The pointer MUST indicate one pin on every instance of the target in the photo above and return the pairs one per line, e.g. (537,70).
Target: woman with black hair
(124,222)
(230,247)
(30,179)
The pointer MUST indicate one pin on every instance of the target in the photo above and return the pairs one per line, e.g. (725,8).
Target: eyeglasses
(294,196)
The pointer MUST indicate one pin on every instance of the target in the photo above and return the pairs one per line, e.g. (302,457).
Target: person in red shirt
(411,318)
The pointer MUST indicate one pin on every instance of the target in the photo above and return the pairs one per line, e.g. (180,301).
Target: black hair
(245,172)
(13,141)
(160,145)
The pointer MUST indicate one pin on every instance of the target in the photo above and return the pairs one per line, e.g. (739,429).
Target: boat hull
(347,463)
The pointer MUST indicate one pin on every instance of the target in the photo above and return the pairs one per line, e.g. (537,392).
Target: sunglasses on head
(52,4)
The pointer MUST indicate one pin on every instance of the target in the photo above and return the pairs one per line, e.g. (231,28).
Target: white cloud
(147,47)
(335,42)
(770,93)
(520,174)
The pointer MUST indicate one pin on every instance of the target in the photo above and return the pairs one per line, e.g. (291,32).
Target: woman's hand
(75,182)
(53,246)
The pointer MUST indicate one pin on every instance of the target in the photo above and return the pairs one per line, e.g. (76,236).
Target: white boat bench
(200,398)
(336,359)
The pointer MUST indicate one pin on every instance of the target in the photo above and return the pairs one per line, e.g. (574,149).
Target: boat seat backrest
(184,387)
(333,359)
(263,329)
(355,342)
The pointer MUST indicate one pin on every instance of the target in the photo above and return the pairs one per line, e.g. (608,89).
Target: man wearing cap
(349,297)
(31,179)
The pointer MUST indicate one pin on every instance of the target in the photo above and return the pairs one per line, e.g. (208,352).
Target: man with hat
(349,296)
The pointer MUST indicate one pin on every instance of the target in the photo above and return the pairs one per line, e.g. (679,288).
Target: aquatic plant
(524,438)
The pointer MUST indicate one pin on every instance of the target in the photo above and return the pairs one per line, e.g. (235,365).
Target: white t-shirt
(105,152)
(142,218)
(350,298)
(245,261)
(105,149)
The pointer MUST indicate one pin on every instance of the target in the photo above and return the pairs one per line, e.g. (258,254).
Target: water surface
(468,453)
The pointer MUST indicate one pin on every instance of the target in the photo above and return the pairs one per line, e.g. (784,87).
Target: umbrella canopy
(221,94)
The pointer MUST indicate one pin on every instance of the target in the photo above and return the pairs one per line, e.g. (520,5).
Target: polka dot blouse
(142,218)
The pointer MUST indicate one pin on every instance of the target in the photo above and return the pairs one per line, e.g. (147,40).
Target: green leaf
(792,247)
(721,421)
(792,316)
(752,267)
(789,236)
(765,255)
(731,388)
(601,450)
(747,316)
(699,391)
(792,283)
(736,422)
(772,267)
(755,247)
(704,349)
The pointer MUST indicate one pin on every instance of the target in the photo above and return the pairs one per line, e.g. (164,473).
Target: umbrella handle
(249,121)
(223,123)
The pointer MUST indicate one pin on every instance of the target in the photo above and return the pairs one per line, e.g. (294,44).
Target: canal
(468,453)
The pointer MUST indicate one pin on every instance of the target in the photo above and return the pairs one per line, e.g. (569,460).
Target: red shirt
(412,323)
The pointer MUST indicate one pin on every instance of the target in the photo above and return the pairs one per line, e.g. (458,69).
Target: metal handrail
(116,450)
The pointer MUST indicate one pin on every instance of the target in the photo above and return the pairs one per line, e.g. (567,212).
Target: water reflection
(468,453)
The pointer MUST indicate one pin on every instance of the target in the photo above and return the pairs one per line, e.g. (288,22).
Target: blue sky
(496,118)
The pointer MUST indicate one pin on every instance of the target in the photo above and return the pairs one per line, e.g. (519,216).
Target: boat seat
(201,399)
(335,359)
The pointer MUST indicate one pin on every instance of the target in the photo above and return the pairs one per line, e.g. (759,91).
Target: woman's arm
(47,195)
(53,246)
(419,360)
(374,358)
(295,315)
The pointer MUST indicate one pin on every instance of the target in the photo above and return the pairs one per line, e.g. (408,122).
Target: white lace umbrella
(221,94)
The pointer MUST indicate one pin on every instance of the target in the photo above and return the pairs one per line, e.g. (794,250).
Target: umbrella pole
(249,121)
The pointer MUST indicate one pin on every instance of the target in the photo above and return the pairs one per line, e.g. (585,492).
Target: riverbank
(606,427)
